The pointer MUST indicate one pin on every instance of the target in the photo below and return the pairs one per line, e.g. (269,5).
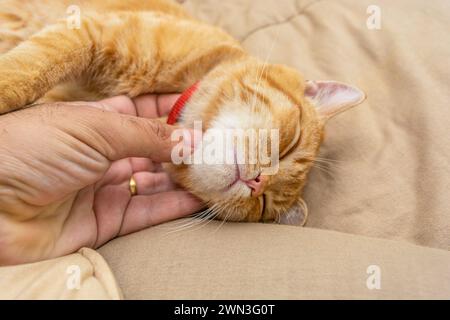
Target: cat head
(257,174)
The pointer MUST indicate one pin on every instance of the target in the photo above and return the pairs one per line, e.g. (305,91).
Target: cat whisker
(325,170)
(182,222)
(192,222)
(203,222)
(334,160)
(223,221)
(320,160)
(327,164)
(210,217)
(197,221)
(278,219)
(194,215)
(328,160)
(261,75)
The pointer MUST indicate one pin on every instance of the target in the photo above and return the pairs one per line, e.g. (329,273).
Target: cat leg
(54,55)
(113,54)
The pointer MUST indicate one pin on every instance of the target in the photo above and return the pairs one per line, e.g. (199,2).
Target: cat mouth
(238,180)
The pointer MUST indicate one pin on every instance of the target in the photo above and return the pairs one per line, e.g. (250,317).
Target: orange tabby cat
(134,47)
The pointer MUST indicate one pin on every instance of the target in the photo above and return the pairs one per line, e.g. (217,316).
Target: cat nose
(257,185)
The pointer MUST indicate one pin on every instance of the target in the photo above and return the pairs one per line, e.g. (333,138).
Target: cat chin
(237,192)
(240,214)
(217,184)
(231,201)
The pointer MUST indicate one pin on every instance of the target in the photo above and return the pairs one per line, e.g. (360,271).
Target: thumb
(118,136)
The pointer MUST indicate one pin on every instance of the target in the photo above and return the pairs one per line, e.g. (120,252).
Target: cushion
(82,275)
(267,261)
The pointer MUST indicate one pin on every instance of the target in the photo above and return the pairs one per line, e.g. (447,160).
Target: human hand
(65,170)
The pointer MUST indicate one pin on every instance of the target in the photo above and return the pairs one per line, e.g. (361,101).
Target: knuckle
(153,183)
(159,129)
(124,104)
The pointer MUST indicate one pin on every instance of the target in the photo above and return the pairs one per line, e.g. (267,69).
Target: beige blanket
(390,174)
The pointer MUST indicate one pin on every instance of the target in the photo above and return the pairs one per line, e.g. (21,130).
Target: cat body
(137,47)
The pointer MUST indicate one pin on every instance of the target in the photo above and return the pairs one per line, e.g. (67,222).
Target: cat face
(262,127)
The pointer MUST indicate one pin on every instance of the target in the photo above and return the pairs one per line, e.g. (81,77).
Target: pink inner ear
(331,97)
(329,88)
(312,88)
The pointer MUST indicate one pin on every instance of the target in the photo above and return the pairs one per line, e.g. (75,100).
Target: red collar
(180,103)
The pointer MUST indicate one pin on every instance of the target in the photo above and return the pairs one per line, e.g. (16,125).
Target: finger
(146,211)
(146,106)
(158,167)
(154,106)
(120,104)
(141,164)
(118,136)
(148,183)
(118,172)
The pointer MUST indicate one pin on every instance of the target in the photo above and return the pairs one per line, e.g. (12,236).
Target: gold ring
(133,186)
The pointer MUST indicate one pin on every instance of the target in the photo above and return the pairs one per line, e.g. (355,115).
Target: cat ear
(331,97)
(297,215)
